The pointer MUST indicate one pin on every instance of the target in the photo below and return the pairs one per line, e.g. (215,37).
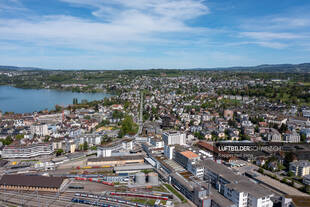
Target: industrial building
(240,190)
(141,179)
(151,148)
(116,160)
(197,193)
(32,183)
(132,168)
(185,157)
(107,150)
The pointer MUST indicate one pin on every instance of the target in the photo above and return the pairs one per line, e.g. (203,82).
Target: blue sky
(142,34)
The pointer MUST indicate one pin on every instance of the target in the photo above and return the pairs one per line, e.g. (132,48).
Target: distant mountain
(4,67)
(284,68)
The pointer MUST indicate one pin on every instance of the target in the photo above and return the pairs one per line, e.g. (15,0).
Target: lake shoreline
(21,100)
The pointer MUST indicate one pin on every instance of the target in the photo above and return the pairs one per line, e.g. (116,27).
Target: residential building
(172,138)
(273,135)
(291,136)
(300,168)
(39,129)
(306,180)
(91,139)
(26,151)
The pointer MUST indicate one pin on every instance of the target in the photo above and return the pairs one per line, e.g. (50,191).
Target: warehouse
(32,183)
(116,160)
(132,168)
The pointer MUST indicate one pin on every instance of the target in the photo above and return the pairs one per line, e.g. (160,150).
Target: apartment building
(300,168)
(173,137)
(26,151)
(292,137)
(39,129)
(91,139)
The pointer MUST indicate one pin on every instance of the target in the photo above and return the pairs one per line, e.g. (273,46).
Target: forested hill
(7,68)
(283,68)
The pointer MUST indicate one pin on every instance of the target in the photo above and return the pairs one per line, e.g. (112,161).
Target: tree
(46,139)
(303,137)
(59,152)
(245,137)
(75,101)
(292,182)
(290,174)
(87,117)
(19,136)
(85,146)
(128,126)
(283,128)
(117,114)
(289,157)
(126,104)
(261,170)
(199,135)
(7,141)
(232,123)
(58,108)
(103,123)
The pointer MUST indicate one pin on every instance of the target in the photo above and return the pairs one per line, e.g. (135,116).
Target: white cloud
(179,9)
(284,22)
(269,44)
(7,6)
(119,22)
(270,35)
(274,45)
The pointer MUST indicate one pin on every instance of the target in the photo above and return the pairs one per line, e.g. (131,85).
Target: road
(140,121)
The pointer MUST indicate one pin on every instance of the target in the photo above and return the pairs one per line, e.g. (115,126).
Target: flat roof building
(32,183)
(239,189)
(116,160)
(26,151)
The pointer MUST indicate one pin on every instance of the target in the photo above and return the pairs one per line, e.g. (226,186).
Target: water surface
(29,100)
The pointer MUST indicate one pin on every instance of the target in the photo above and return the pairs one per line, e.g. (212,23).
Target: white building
(196,169)
(238,189)
(292,137)
(306,180)
(300,168)
(106,151)
(172,138)
(157,143)
(40,129)
(91,139)
(169,151)
(21,151)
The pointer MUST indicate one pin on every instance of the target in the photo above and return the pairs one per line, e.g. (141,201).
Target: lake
(29,100)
